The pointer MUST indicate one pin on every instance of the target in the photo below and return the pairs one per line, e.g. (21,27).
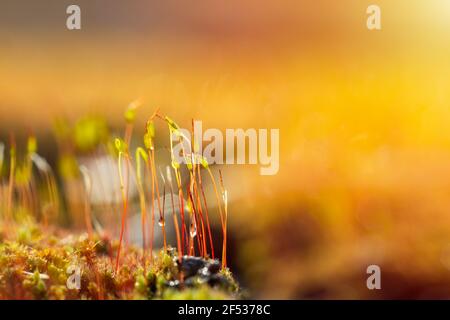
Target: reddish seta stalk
(125,208)
(175,219)
(206,213)
(225,200)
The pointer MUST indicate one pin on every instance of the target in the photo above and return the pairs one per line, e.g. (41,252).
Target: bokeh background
(364,122)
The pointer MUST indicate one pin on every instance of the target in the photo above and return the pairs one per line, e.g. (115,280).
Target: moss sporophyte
(53,245)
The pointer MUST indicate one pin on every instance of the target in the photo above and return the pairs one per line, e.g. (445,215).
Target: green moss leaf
(121,145)
(31,144)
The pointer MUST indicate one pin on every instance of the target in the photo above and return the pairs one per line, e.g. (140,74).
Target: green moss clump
(44,265)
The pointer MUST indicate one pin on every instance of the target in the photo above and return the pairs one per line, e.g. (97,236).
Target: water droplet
(193,229)
(161,222)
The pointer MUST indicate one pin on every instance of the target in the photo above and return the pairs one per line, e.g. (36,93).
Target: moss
(35,284)
(36,265)
(200,293)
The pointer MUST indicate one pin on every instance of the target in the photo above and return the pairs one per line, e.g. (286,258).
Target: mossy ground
(37,263)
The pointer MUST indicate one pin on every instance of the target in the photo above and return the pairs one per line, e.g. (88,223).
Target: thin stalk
(175,220)
(225,201)
(197,212)
(217,197)
(199,207)
(193,228)
(182,214)
(206,212)
(54,191)
(152,224)
(141,153)
(124,189)
(49,190)
(161,214)
(163,221)
(201,231)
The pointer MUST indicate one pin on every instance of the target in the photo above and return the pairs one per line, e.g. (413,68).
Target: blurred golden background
(364,122)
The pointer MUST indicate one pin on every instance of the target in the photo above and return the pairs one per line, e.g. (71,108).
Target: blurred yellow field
(363,119)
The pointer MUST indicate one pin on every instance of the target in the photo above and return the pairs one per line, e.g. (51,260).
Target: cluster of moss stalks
(38,261)
(38,264)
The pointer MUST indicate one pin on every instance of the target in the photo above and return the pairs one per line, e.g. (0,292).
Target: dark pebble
(213,266)
(191,265)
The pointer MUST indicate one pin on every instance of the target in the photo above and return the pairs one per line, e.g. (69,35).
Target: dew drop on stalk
(193,229)
(161,222)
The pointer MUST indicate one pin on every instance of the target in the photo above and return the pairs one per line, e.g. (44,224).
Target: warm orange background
(364,121)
